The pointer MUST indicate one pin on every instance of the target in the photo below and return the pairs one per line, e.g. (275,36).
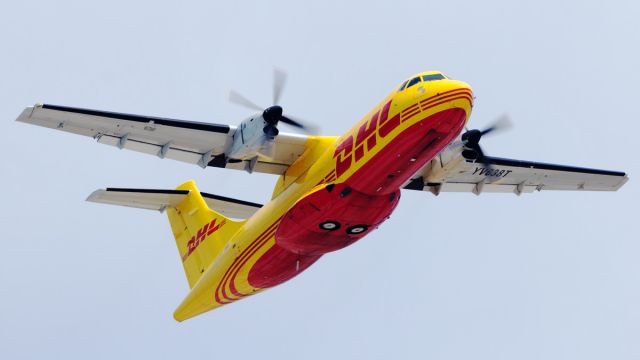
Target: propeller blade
(291,122)
(501,124)
(279,80)
(273,114)
(238,99)
(470,141)
(309,129)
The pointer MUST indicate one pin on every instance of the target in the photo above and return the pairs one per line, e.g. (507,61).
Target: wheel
(330,225)
(357,229)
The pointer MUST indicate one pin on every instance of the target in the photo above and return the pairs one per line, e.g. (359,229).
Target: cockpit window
(433,77)
(413,81)
(430,77)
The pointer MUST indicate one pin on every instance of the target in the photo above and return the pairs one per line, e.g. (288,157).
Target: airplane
(331,191)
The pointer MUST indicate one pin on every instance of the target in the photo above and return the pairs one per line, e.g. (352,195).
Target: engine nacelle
(253,137)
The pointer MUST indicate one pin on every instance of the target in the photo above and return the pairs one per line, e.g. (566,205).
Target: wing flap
(164,151)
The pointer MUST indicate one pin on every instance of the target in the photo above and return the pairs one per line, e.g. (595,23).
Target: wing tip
(95,196)
(25,115)
(623,181)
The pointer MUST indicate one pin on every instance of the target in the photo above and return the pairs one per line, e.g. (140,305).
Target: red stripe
(432,100)
(410,108)
(407,116)
(236,263)
(235,266)
(428,103)
(237,259)
(232,286)
(447,92)
(465,97)
(328,176)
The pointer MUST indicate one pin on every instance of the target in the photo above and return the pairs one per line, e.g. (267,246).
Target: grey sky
(546,275)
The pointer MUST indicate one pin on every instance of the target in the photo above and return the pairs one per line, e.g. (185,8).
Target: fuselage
(337,192)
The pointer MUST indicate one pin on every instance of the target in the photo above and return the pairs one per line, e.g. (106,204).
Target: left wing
(193,142)
(451,172)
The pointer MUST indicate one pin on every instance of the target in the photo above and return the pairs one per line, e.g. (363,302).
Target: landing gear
(357,229)
(330,225)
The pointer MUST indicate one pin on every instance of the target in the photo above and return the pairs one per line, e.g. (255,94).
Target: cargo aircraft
(331,191)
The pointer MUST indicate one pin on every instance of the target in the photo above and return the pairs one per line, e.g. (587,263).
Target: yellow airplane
(332,191)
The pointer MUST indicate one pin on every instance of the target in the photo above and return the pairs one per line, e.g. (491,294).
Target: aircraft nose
(456,91)
(453,85)
(450,94)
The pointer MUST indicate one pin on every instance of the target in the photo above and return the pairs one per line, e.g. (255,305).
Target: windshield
(429,77)
(433,77)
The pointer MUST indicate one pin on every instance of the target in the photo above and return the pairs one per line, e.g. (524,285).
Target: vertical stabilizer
(201,233)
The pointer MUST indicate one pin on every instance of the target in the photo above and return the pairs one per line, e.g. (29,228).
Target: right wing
(450,171)
(198,143)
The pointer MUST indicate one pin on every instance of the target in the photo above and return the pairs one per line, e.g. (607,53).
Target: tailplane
(200,232)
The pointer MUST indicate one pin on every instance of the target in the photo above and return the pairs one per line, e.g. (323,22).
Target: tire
(357,229)
(330,225)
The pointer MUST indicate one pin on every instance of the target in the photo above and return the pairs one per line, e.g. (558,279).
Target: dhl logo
(203,233)
(353,148)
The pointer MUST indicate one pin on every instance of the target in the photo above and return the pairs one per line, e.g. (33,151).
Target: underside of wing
(451,172)
(198,143)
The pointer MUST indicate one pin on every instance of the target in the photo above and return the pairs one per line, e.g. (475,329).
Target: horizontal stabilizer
(154,199)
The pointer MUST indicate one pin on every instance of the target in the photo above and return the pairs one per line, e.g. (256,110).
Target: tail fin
(200,233)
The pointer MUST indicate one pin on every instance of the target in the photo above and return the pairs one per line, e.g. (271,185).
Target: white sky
(546,275)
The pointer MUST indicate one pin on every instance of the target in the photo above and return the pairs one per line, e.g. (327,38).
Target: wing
(153,199)
(198,143)
(451,172)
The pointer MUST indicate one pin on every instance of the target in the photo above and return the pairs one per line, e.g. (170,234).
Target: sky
(546,275)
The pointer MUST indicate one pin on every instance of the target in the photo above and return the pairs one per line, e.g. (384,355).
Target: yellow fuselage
(374,158)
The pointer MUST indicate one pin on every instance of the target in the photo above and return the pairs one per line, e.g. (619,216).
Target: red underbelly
(332,218)
(390,168)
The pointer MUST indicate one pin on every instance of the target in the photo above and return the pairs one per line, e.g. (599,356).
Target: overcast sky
(542,276)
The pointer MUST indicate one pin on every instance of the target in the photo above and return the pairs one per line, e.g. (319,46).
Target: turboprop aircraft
(331,191)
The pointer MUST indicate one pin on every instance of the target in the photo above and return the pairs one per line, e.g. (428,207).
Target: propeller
(279,80)
(470,141)
(273,114)
(239,99)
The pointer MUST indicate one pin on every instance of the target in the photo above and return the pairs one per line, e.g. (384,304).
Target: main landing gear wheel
(357,229)
(330,225)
